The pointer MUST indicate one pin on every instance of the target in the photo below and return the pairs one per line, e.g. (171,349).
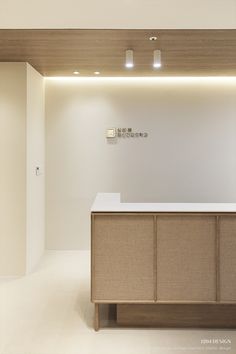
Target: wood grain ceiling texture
(61,52)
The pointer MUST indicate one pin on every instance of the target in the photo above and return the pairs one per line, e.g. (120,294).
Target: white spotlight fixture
(157,58)
(96,72)
(76,72)
(129,58)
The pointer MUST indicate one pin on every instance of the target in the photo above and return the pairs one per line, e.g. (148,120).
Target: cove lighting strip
(145,78)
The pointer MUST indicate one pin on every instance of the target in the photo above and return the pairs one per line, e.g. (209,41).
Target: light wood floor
(49,312)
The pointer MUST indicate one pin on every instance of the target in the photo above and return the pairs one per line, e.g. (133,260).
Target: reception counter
(164,264)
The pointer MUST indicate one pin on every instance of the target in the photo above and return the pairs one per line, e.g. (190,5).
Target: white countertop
(110,202)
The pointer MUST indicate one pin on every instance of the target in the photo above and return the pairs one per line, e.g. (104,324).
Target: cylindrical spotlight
(129,58)
(157,58)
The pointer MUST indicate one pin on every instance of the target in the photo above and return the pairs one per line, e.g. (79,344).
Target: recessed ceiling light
(76,72)
(152,38)
(96,72)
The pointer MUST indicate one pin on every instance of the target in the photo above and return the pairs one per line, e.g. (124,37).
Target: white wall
(13,168)
(35,157)
(189,155)
(21,148)
(118,14)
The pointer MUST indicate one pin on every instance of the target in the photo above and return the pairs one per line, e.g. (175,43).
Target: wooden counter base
(186,315)
(165,269)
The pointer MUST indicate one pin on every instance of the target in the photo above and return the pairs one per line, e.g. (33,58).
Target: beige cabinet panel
(123,258)
(186,258)
(227,230)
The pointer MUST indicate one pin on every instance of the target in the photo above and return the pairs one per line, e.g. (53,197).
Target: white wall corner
(35,159)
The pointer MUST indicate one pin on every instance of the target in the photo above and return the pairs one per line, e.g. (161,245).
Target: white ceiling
(170,14)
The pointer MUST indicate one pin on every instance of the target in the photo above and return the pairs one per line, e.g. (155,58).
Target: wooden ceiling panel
(60,52)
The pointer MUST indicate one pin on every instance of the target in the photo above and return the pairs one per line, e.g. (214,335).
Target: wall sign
(124,133)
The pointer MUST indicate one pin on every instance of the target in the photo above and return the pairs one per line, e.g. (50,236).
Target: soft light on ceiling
(160,79)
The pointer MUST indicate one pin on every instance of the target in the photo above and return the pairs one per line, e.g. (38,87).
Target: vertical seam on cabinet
(217,260)
(155,258)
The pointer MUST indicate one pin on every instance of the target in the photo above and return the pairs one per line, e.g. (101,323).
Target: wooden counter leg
(96,318)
